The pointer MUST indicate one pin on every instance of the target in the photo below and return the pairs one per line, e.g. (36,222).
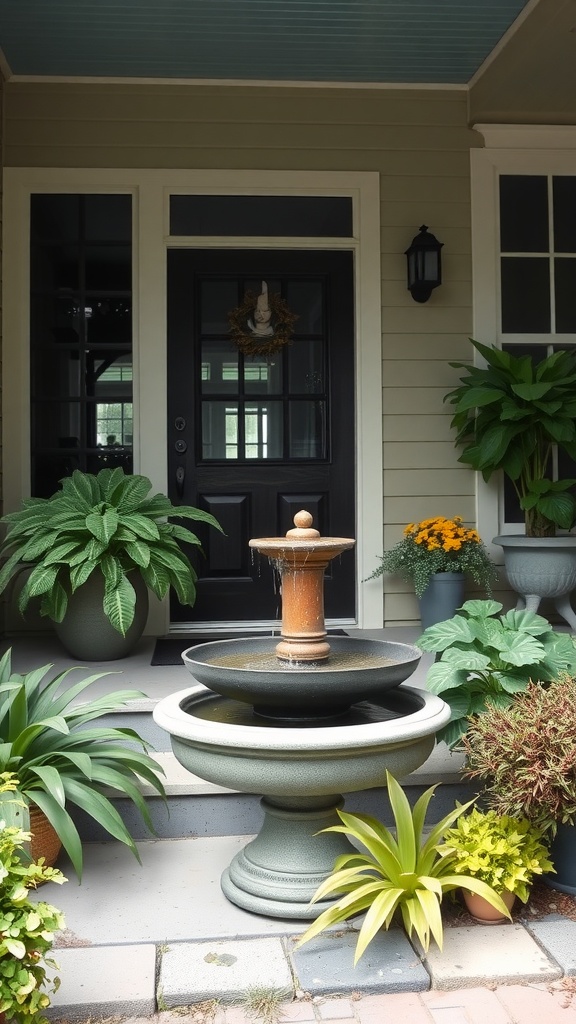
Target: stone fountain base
(302,774)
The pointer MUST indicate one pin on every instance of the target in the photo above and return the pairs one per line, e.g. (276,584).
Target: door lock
(181,446)
(180,423)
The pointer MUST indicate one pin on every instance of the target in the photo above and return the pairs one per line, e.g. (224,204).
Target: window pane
(108,267)
(108,218)
(108,321)
(220,368)
(525,295)
(565,292)
(306,367)
(305,298)
(308,216)
(263,430)
(524,213)
(54,218)
(56,373)
(307,430)
(217,299)
(263,376)
(564,197)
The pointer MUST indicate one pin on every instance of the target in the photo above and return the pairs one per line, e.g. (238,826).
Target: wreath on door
(262,324)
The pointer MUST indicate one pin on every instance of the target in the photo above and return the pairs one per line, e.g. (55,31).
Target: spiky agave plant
(103,523)
(60,761)
(402,874)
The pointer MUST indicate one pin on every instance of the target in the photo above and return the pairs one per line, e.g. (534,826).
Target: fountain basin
(248,670)
(302,773)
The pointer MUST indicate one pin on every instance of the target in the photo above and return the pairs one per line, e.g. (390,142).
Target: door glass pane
(305,298)
(263,430)
(220,368)
(564,194)
(307,426)
(525,295)
(306,367)
(524,213)
(217,299)
(565,290)
(220,434)
(263,376)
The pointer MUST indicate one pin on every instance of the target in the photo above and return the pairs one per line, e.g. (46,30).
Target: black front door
(254,438)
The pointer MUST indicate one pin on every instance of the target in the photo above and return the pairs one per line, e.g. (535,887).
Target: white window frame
(508,149)
(151,190)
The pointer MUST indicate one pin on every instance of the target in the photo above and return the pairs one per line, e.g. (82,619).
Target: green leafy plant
(397,874)
(486,658)
(525,755)
(504,852)
(59,760)
(26,928)
(511,415)
(438,545)
(106,523)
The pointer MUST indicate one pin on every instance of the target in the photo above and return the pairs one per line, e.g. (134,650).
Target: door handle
(180,477)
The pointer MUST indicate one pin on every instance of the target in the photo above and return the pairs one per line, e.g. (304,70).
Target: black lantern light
(424,265)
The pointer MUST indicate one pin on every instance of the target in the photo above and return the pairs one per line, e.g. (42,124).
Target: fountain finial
(303,526)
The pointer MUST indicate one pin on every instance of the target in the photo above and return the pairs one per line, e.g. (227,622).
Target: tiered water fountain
(301,720)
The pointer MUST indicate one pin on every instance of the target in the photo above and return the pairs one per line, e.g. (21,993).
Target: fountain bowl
(247,670)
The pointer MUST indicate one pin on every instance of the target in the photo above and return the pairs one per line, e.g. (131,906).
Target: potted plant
(484,659)
(503,851)
(402,874)
(92,549)
(26,929)
(525,757)
(511,416)
(46,737)
(436,555)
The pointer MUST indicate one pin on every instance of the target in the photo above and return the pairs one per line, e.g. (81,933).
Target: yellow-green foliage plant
(397,875)
(26,928)
(503,851)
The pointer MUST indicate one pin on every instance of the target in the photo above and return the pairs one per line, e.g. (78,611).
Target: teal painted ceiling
(411,41)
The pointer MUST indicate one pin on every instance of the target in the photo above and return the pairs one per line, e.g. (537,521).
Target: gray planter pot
(563,857)
(442,597)
(86,632)
(539,567)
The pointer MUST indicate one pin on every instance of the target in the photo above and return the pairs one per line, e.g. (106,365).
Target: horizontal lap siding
(419,143)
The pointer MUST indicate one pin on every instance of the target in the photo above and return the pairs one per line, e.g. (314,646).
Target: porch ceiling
(376,41)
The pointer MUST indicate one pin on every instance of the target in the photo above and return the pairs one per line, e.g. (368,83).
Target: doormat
(168,650)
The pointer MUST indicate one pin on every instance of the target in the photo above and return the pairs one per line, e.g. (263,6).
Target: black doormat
(168,650)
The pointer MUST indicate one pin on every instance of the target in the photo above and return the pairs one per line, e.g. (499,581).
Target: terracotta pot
(484,912)
(45,840)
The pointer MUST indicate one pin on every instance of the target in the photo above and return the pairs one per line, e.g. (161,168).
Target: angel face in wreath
(262,324)
(259,323)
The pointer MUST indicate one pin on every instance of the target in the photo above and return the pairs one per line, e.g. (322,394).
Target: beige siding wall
(418,141)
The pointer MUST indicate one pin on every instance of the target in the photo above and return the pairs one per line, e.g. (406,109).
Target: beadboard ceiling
(364,41)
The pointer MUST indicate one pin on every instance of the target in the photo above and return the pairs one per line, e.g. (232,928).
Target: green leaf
(103,525)
(442,677)
(520,650)
(119,605)
(469,659)
(444,634)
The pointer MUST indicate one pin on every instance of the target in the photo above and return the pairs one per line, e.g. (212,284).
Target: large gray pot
(86,632)
(539,567)
(563,857)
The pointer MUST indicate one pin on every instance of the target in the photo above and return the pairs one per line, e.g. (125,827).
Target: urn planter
(563,857)
(541,567)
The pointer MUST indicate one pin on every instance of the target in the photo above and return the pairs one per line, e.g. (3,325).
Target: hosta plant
(106,523)
(26,928)
(525,755)
(61,760)
(397,875)
(505,852)
(511,415)
(486,658)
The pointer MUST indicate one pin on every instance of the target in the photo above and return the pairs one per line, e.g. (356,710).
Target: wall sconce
(424,265)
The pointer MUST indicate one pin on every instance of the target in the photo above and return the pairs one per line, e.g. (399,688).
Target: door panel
(253,439)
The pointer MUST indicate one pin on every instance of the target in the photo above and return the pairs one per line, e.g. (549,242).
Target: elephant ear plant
(46,739)
(106,523)
(511,415)
(487,658)
(396,874)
